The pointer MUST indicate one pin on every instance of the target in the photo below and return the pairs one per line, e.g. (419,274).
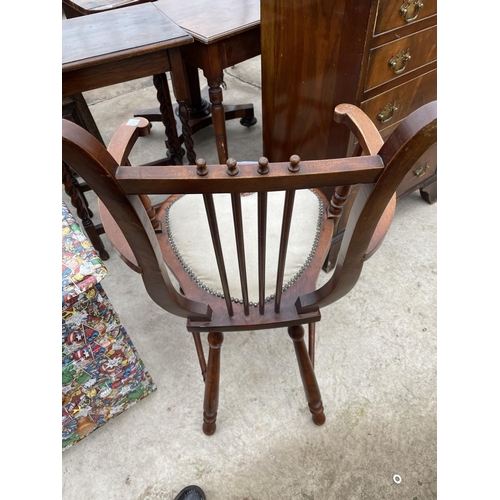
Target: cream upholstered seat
(189,234)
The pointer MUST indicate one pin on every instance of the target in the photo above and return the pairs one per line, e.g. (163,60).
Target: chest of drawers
(378,54)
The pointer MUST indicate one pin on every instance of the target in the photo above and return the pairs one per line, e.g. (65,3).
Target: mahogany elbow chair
(239,247)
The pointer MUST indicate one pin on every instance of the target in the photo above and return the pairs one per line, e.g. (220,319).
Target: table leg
(182,91)
(218,117)
(82,210)
(168,119)
(198,107)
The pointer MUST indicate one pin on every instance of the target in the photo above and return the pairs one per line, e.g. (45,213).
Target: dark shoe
(191,493)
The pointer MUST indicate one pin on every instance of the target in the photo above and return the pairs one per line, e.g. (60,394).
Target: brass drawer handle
(387,113)
(398,62)
(409,13)
(420,171)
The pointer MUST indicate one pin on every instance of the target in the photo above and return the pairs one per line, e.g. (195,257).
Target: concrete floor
(376,367)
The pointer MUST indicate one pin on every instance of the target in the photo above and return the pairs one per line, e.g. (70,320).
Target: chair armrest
(361,126)
(371,141)
(125,137)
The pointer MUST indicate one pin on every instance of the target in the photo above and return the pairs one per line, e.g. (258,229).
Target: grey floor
(376,367)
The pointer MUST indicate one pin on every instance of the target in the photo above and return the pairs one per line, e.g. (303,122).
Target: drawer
(389,61)
(422,171)
(391,13)
(390,107)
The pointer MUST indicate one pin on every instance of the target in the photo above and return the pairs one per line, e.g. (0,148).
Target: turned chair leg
(309,382)
(211,402)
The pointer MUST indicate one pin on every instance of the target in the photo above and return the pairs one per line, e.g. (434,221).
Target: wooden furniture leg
(198,109)
(182,91)
(309,381)
(83,212)
(218,118)
(429,193)
(211,402)
(312,342)
(200,353)
(174,150)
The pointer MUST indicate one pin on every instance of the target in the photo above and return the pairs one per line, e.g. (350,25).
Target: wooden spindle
(312,342)
(285,233)
(262,169)
(201,355)
(240,249)
(262,228)
(151,212)
(337,203)
(214,231)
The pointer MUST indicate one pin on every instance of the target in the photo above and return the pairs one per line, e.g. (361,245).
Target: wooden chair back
(122,190)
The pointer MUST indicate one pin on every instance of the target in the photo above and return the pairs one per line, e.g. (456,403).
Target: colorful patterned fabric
(102,373)
(82,267)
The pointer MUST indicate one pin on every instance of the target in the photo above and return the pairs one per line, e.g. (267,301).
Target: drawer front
(424,169)
(397,13)
(390,107)
(402,56)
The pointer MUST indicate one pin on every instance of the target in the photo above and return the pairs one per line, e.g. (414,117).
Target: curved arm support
(88,157)
(409,141)
(369,141)
(125,137)
(361,126)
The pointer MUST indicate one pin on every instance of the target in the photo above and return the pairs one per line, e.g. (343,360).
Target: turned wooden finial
(232,167)
(201,167)
(294,163)
(263,166)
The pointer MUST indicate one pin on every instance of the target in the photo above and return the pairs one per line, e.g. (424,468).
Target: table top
(209,21)
(118,34)
(98,5)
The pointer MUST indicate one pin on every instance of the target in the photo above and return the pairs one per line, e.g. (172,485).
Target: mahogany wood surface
(209,21)
(142,240)
(79,8)
(125,44)
(380,55)
(227,38)
(353,43)
(75,109)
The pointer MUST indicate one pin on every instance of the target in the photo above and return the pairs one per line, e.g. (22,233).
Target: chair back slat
(214,232)
(240,249)
(285,233)
(262,228)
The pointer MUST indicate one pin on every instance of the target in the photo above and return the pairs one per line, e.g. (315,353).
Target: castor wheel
(248,121)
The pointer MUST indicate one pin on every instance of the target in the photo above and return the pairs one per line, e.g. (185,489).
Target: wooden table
(225,33)
(116,46)
(125,44)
